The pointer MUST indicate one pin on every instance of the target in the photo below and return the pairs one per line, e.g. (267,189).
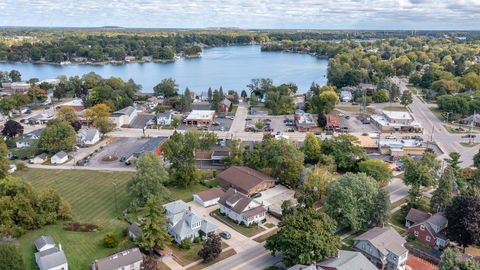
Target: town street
(255,258)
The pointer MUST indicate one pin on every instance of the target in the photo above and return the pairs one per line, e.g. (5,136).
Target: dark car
(256,195)
(268,129)
(122,159)
(216,124)
(248,119)
(225,235)
(347,117)
(469,136)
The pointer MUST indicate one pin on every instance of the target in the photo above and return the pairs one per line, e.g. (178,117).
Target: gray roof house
(130,259)
(164,118)
(134,231)
(87,137)
(184,223)
(384,247)
(49,255)
(59,158)
(347,260)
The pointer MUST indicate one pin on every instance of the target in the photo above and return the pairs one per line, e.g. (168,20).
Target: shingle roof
(61,154)
(125,111)
(50,258)
(348,260)
(43,241)
(119,260)
(416,216)
(240,203)
(438,219)
(384,239)
(175,207)
(210,194)
(88,134)
(244,178)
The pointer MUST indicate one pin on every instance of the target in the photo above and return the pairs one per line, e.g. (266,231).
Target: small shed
(59,158)
(208,197)
(39,159)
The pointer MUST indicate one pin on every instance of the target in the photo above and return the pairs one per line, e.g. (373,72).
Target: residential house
(346,96)
(245,180)
(41,118)
(347,260)
(34,134)
(302,267)
(131,259)
(472,120)
(134,231)
(59,158)
(165,118)
(225,105)
(76,104)
(183,223)
(49,256)
(384,247)
(124,117)
(25,142)
(39,159)
(208,197)
(88,137)
(240,208)
(427,228)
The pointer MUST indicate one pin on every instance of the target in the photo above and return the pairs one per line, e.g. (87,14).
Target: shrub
(185,244)
(20,166)
(110,241)
(197,239)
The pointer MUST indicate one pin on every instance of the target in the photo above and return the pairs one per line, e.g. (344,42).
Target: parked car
(267,120)
(468,136)
(230,117)
(216,124)
(256,195)
(365,121)
(278,133)
(248,119)
(347,117)
(268,129)
(341,115)
(225,235)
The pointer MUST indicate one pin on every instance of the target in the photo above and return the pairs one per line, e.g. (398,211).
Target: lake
(230,67)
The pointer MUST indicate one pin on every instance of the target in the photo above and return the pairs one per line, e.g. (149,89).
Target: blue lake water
(230,67)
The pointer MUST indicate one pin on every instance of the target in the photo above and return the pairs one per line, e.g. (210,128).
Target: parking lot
(120,147)
(275,123)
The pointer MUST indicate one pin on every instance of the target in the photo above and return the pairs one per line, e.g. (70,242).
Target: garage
(208,197)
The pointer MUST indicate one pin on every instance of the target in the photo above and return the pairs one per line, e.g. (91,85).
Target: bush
(185,244)
(110,241)
(76,226)
(20,166)
(197,240)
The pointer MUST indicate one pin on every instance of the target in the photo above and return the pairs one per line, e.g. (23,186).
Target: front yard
(185,257)
(247,231)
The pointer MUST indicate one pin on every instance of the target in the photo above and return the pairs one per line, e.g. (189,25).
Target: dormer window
(422,227)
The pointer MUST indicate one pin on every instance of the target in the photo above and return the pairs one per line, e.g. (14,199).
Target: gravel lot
(119,148)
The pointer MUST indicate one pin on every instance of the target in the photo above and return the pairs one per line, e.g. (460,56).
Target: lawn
(185,257)
(397,219)
(247,231)
(395,108)
(91,196)
(264,236)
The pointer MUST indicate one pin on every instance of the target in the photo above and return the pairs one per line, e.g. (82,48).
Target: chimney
(429,215)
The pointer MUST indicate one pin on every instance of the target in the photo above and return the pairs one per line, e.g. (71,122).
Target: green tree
(57,136)
(179,150)
(380,96)
(166,88)
(110,241)
(15,76)
(376,168)
(345,150)
(325,101)
(153,225)
(314,187)
(4,164)
(304,236)
(452,260)
(211,248)
(236,155)
(10,257)
(442,196)
(67,113)
(406,98)
(464,220)
(356,202)
(7,105)
(149,180)
(311,148)
(103,125)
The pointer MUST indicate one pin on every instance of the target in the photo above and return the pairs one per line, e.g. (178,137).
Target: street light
(115,194)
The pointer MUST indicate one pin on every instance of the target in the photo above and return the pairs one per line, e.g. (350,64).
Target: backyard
(91,195)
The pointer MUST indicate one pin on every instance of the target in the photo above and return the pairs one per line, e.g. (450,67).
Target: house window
(416,233)
(422,227)
(427,238)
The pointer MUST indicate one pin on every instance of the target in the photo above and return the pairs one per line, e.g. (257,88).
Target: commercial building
(201,118)
(395,121)
(304,121)
(245,180)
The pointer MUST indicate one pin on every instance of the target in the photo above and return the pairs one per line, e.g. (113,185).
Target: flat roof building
(201,117)
(399,121)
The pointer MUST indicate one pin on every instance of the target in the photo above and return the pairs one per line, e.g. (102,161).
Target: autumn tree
(314,187)
(67,113)
(211,248)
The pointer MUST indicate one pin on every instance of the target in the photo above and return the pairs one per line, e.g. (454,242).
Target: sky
(258,14)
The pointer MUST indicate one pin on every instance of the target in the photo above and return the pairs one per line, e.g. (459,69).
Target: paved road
(434,129)
(396,189)
(254,258)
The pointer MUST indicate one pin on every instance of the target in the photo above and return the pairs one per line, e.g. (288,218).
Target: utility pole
(115,195)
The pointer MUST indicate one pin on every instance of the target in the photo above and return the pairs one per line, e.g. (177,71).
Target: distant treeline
(98,45)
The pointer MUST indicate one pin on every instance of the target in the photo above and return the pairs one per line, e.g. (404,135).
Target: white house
(59,158)
(208,197)
(241,208)
(183,223)
(88,137)
(346,96)
(124,117)
(165,118)
(130,259)
(24,143)
(49,256)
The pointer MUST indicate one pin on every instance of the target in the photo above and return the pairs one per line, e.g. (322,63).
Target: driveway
(238,241)
(274,197)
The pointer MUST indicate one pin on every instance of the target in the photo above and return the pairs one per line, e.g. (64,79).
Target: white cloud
(339,14)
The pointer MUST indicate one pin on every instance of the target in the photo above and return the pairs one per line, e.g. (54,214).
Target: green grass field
(92,199)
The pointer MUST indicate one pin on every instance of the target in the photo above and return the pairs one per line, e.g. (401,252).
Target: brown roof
(239,202)
(244,177)
(210,194)
(416,216)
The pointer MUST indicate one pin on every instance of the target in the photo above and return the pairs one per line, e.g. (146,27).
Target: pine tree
(153,225)
(210,94)
(442,196)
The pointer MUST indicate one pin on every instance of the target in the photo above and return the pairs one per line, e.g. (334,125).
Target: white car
(341,115)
